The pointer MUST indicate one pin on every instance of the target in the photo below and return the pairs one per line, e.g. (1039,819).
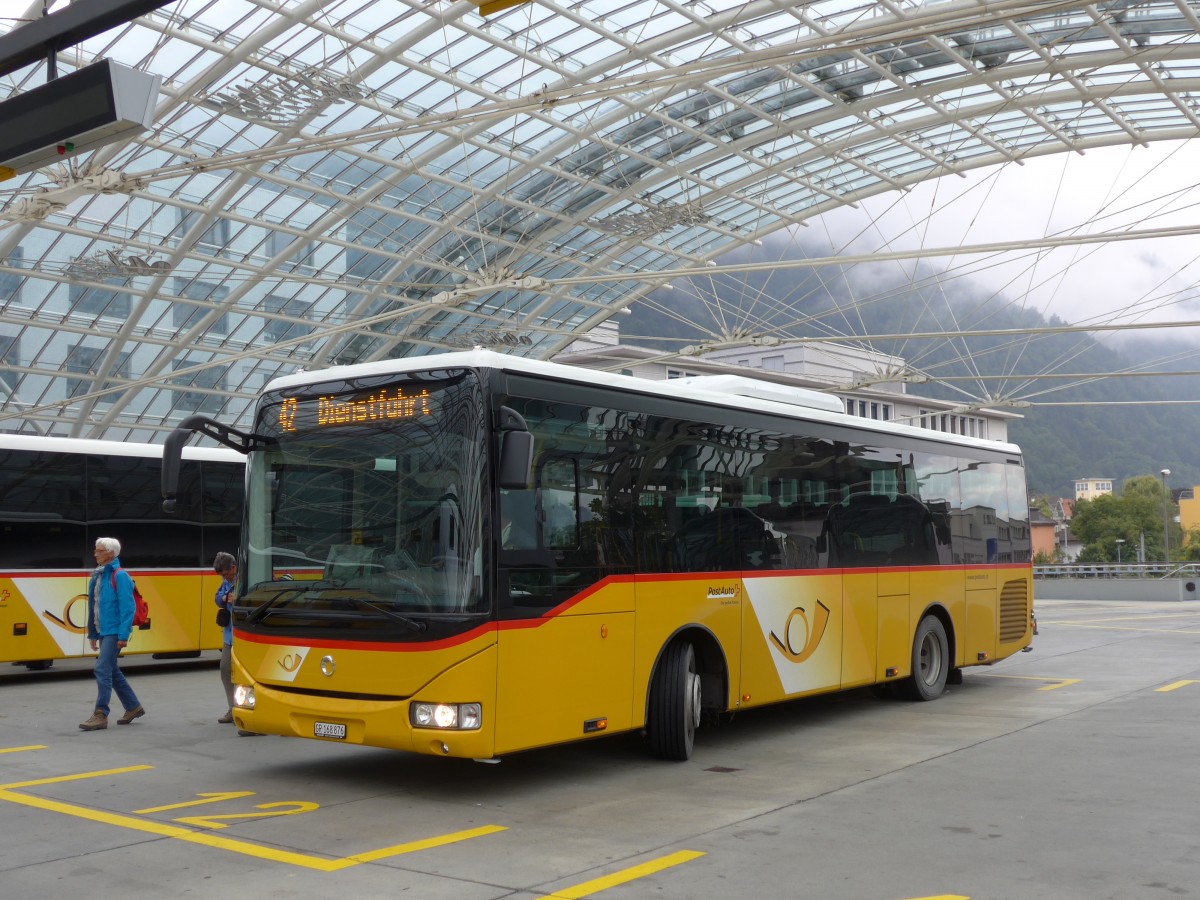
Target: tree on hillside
(1135,514)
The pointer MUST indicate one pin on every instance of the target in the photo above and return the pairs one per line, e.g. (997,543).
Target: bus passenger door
(566,642)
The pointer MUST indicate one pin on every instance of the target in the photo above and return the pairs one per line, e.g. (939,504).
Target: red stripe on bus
(387,647)
(555,612)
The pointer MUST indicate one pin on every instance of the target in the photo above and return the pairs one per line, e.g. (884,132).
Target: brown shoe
(98,721)
(226,719)
(130,714)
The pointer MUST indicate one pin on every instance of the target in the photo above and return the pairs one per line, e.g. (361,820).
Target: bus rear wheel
(930,661)
(675,703)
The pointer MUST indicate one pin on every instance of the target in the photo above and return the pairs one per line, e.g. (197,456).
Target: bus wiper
(413,624)
(286,586)
(263,608)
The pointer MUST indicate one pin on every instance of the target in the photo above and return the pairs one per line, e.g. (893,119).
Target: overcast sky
(1112,189)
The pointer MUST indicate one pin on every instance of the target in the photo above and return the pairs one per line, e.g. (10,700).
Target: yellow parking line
(216,797)
(61,778)
(425,844)
(633,873)
(246,848)
(1175,685)
(20,749)
(1057,682)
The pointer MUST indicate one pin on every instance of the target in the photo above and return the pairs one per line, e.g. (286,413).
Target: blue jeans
(109,677)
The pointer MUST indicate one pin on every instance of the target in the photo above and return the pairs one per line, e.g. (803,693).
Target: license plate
(329,730)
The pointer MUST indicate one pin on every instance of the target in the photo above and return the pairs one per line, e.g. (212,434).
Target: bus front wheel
(675,703)
(930,661)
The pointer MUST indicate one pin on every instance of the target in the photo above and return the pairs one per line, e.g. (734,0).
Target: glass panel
(984,508)
(370,497)
(559,505)
(221,500)
(42,511)
(125,502)
(1018,516)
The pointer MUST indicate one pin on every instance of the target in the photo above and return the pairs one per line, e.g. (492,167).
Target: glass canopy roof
(329,182)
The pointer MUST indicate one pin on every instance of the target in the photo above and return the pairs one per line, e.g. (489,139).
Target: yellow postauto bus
(57,495)
(472,554)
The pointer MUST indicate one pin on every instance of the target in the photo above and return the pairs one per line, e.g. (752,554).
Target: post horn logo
(66,621)
(813,632)
(291,662)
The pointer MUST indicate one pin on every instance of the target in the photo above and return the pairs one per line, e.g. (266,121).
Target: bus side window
(560,504)
(517,529)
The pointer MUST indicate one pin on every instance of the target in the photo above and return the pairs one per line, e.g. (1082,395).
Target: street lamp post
(1120,541)
(1166,533)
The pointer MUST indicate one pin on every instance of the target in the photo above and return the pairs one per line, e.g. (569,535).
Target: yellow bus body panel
(589,646)
(792,643)
(982,623)
(860,636)
(51,611)
(585,667)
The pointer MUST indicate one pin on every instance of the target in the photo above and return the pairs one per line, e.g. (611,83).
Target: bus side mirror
(516,461)
(516,453)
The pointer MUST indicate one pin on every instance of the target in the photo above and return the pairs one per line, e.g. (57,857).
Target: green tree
(1189,552)
(1136,512)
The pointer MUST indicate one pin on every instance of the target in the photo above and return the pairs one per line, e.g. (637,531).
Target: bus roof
(32,442)
(726,391)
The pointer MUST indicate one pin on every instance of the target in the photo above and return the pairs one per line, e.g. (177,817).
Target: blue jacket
(225,598)
(109,611)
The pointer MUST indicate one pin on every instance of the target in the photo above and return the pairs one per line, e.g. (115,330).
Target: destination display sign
(383,405)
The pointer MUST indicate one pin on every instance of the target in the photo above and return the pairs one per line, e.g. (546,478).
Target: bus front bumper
(372,723)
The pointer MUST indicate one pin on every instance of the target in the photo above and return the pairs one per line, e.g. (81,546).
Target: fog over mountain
(1061,443)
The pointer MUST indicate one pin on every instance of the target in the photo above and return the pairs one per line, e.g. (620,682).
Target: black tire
(675,703)
(930,661)
(38,665)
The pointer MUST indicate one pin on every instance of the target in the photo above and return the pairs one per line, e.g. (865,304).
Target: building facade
(1091,488)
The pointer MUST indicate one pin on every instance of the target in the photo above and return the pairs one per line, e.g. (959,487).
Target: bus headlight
(243,696)
(447,716)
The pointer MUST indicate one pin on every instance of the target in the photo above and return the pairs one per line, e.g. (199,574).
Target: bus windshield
(365,512)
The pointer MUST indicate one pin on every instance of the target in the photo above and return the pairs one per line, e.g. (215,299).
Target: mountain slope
(1061,443)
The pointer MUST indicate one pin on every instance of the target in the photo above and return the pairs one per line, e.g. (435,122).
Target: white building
(1091,488)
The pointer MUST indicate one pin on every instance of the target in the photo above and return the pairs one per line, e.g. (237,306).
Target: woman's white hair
(109,544)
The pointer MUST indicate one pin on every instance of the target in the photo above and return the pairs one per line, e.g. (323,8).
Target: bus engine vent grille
(1014,611)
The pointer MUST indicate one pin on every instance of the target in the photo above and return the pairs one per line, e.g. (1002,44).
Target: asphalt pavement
(1067,772)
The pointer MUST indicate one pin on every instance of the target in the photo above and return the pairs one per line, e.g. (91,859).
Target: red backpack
(141,611)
